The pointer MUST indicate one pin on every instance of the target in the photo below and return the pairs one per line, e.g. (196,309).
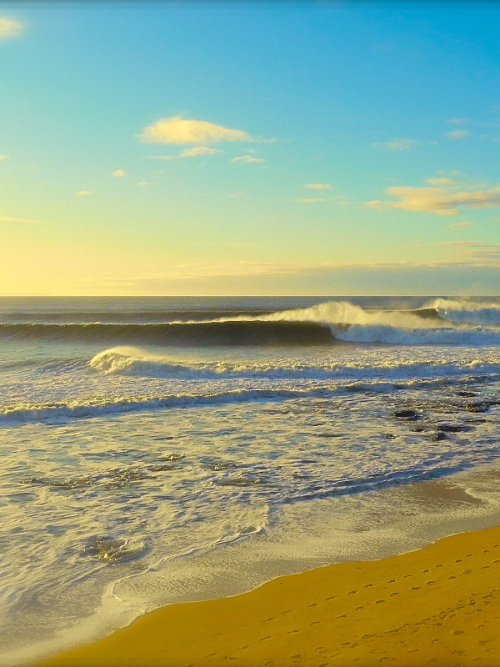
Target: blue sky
(250,148)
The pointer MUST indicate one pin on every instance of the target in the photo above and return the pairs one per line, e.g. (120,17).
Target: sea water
(158,450)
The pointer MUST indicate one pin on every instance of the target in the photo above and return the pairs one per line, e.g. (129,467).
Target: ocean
(159,450)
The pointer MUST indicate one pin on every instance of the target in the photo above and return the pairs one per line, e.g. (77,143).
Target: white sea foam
(467,311)
(134,361)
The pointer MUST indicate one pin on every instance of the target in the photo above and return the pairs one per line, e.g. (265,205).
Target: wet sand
(436,606)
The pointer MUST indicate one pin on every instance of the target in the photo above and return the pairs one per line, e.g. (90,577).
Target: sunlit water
(149,445)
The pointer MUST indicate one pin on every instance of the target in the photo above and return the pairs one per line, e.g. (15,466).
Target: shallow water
(148,443)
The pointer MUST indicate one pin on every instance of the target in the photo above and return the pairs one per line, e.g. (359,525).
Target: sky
(249,148)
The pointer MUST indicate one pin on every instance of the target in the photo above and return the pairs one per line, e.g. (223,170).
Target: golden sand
(436,606)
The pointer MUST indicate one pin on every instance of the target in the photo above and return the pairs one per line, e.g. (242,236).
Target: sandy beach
(435,606)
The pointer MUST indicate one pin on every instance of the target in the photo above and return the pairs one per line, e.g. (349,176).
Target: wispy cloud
(440,201)
(197,151)
(10,28)
(459,225)
(83,193)
(143,184)
(247,159)
(318,186)
(178,130)
(457,134)
(396,144)
(312,200)
(24,221)
(460,259)
(457,121)
(118,173)
(4,157)
(440,181)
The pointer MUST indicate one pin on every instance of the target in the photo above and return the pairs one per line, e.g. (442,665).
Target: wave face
(439,322)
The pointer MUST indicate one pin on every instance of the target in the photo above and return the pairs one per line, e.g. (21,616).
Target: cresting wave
(138,362)
(441,322)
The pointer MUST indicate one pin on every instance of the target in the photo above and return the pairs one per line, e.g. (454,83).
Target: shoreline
(437,605)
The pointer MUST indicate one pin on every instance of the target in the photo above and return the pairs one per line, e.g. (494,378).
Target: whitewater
(159,450)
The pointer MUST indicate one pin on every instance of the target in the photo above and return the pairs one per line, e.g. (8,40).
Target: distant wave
(442,322)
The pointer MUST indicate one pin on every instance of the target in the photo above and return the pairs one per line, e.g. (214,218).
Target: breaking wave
(441,322)
(133,361)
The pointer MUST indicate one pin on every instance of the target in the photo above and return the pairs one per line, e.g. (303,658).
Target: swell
(226,332)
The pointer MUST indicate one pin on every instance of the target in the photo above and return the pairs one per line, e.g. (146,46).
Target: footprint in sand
(263,639)
(332,597)
(358,608)
(415,588)
(313,604)
(393,594)
(459,560)
(431,581)
(452,577)
(291,632)
(391,581)
(485,567)
(379,601)
(368,585)
(315,623)
(352,592)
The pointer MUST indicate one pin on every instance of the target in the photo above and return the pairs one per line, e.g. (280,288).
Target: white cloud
(458,121)
(437,200)
(318,186)
(397,144)
(83,193)
(4,157)
(457,134)
(118,173)
(10,28)
(247,159)
(178,130)
(143,184)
